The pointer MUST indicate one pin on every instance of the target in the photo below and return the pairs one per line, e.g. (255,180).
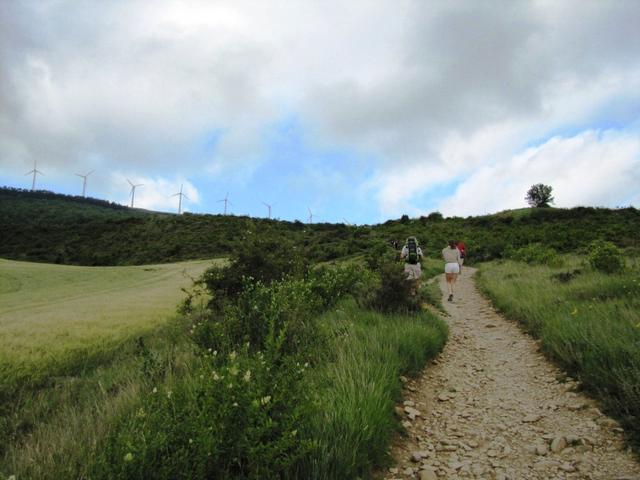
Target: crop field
(52,316)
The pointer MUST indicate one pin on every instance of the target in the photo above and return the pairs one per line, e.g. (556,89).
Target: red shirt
(461,247)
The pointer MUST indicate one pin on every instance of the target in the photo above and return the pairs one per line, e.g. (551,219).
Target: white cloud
(431,90)
(592,168)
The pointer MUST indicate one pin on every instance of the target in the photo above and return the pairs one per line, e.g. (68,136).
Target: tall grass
(359,384)
(54,431)
(587,321)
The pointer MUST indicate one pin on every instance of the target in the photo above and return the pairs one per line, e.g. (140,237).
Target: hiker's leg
(449,280)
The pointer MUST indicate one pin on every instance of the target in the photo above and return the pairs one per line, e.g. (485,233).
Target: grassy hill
(52,315)
(47,227)
(111,408)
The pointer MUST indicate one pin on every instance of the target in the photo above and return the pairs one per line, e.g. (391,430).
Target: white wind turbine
(310,215)
(35,172)
(84,181)
(180,195)
(269,207)
(226,202)
(133,190)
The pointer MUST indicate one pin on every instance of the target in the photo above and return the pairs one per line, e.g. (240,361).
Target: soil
(491,406)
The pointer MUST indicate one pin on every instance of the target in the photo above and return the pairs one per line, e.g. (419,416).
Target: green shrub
(254,259)
(535,254)
(238,419)
(276,318)
(605,257)
(394,292)
(378,254)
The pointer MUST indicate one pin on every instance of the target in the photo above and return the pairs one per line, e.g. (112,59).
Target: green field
(53,316)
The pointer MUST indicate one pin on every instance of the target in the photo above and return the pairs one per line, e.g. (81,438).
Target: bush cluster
(605,257)
(235,416)
(535,254)
(242,410)
(393,293)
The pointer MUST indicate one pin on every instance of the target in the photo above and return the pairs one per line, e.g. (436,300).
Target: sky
(357,111)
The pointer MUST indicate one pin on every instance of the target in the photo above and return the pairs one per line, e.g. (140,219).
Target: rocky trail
(492,407)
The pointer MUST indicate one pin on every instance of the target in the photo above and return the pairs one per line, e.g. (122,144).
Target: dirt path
(492,407)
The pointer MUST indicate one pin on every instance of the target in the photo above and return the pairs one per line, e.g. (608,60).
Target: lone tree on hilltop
(539,195)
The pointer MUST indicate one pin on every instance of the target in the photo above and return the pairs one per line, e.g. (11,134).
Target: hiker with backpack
(412,253)
(451,256)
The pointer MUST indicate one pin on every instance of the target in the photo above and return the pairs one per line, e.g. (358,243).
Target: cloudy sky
(359,110)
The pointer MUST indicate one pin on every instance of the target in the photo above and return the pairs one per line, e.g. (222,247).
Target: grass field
(587,321)
(54,317)
(71,427)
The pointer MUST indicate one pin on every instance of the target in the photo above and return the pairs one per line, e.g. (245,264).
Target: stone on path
(428,473)
(558,444)
(531,418)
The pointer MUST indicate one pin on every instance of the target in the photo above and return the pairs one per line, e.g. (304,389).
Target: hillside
(48,227)
(53,315)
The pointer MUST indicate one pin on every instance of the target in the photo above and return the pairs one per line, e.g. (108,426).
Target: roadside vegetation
(290,373)
(585,315)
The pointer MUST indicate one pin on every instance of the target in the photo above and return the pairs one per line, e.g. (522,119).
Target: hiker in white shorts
(451,256)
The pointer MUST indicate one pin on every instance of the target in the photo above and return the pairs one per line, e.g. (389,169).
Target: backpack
(412,247)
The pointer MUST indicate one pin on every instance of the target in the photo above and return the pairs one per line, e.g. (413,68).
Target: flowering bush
(254,259)
(239,411)
(235,416)
(277,318)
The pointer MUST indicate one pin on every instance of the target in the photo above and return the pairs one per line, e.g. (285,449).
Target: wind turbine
(35,172)
(226,201)
(180,195)
(133,190)
(310,215)
(269,207)
(84,181)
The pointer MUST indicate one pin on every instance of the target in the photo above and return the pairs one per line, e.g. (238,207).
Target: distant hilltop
(55,228)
